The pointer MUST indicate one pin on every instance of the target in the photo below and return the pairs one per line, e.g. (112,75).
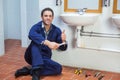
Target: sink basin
(116,20)
(75,19)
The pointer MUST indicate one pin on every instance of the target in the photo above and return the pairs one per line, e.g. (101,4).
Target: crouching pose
(44,37)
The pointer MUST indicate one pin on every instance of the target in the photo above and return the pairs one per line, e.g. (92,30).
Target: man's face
(47,17)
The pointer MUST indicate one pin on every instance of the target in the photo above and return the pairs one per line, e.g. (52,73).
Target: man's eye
(50,16)
(45,15)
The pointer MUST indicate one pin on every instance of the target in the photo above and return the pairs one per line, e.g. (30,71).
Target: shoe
(22,72)
(36,74)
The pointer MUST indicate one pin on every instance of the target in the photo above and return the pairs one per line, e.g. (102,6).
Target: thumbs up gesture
(63,36)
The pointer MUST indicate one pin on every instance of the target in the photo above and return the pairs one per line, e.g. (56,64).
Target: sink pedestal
(116,20)
(78,41)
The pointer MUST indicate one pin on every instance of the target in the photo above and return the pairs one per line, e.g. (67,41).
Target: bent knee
(59,70)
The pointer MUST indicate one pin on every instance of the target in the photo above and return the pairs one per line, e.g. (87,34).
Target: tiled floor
(14,59)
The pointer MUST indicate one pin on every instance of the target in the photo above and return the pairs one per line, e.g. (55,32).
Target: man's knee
(59,69)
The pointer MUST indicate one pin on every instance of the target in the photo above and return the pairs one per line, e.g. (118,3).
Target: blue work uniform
(37,54)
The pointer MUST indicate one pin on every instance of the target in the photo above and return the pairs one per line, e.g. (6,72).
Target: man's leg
(25,70)
(37,62)
(51,68)
(34,58)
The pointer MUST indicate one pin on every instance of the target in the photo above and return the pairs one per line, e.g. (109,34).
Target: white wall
(12,19)
(88,58)
(33,14)
(1,29)
(29,16)
(24,27)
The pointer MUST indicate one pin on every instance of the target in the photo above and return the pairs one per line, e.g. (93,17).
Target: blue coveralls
(38,54)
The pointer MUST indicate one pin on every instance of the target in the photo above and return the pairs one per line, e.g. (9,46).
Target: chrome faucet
(81,11)
(58,2)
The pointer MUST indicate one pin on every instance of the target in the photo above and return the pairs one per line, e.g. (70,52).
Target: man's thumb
(63,31)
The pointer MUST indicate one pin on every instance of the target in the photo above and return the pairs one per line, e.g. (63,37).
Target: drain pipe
(96,34)
(81,30)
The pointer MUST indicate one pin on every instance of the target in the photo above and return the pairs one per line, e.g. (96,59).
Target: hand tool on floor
(97,74)
(101,77)
(78,71)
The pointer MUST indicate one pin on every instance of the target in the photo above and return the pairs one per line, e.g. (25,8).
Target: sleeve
(35,35)
(63,47)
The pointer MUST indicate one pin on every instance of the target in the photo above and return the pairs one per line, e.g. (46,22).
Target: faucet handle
(81,10)
(84,9)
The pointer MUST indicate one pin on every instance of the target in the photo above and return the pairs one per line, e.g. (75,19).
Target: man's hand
(63,36)
(51,45)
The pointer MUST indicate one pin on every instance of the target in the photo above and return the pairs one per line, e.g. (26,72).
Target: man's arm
(63,46)
(51,45)
(54,45)
(60,42)
(35,36)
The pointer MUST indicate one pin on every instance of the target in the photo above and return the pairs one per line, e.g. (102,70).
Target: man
(45,37)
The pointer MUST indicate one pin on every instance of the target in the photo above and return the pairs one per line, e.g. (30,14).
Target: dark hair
(47,9)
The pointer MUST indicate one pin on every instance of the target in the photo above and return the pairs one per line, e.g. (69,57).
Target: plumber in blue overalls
(44,37)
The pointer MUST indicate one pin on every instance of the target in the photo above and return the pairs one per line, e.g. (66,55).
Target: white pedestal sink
(116,20)
(77,20)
